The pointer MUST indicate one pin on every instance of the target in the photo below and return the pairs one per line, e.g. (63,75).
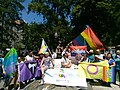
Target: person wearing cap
(46,63)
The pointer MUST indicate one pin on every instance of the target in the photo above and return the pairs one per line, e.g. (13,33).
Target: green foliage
(56,14)
(72,16)
(67,18)
(9,13)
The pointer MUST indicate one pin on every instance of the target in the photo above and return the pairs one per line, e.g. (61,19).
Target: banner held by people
(93,70)
(65,77)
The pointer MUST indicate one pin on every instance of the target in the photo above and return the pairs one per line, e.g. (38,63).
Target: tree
(9,14)
(32,36)
(116,15)
(98,15)
(56,15)
(72,16)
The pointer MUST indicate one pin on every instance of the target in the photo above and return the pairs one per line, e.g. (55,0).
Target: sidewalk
(113,87)
(91,86)
(99,87)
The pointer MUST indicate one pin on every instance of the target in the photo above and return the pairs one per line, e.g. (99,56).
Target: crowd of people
(77,56)
(68,57)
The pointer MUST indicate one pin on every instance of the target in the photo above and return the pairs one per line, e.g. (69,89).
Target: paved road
(36,86)
(98,86)
(91,86)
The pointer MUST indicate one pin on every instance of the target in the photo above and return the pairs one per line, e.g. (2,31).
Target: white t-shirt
(54,55)
(28,58)
(99,56)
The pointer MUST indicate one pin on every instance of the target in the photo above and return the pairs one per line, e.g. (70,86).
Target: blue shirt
(117,62)
(90,57)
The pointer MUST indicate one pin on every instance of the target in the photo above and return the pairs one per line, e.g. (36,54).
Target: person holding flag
(46,63)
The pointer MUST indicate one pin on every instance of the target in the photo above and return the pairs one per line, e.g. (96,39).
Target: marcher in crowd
(85,58)
(98,56)
(65,62)
(111,63)
(38,73)
(54,55)
(110,59)
(29,57)
(91,56)
(59,50)
(46,63)
(117,67)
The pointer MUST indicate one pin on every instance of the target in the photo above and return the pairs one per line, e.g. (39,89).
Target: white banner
(65,77)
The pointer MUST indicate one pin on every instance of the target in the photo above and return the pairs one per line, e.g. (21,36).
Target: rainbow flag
(79,41)
(43,48)
(88,36)
(92,39)
(108,74)
(10,61)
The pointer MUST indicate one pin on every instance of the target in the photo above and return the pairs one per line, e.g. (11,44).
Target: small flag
(43,48)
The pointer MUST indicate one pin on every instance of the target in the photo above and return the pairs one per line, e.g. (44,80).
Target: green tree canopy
(63,21)
(72,16)
(9,14)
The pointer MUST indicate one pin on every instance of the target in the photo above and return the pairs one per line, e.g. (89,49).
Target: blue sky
(31,17)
